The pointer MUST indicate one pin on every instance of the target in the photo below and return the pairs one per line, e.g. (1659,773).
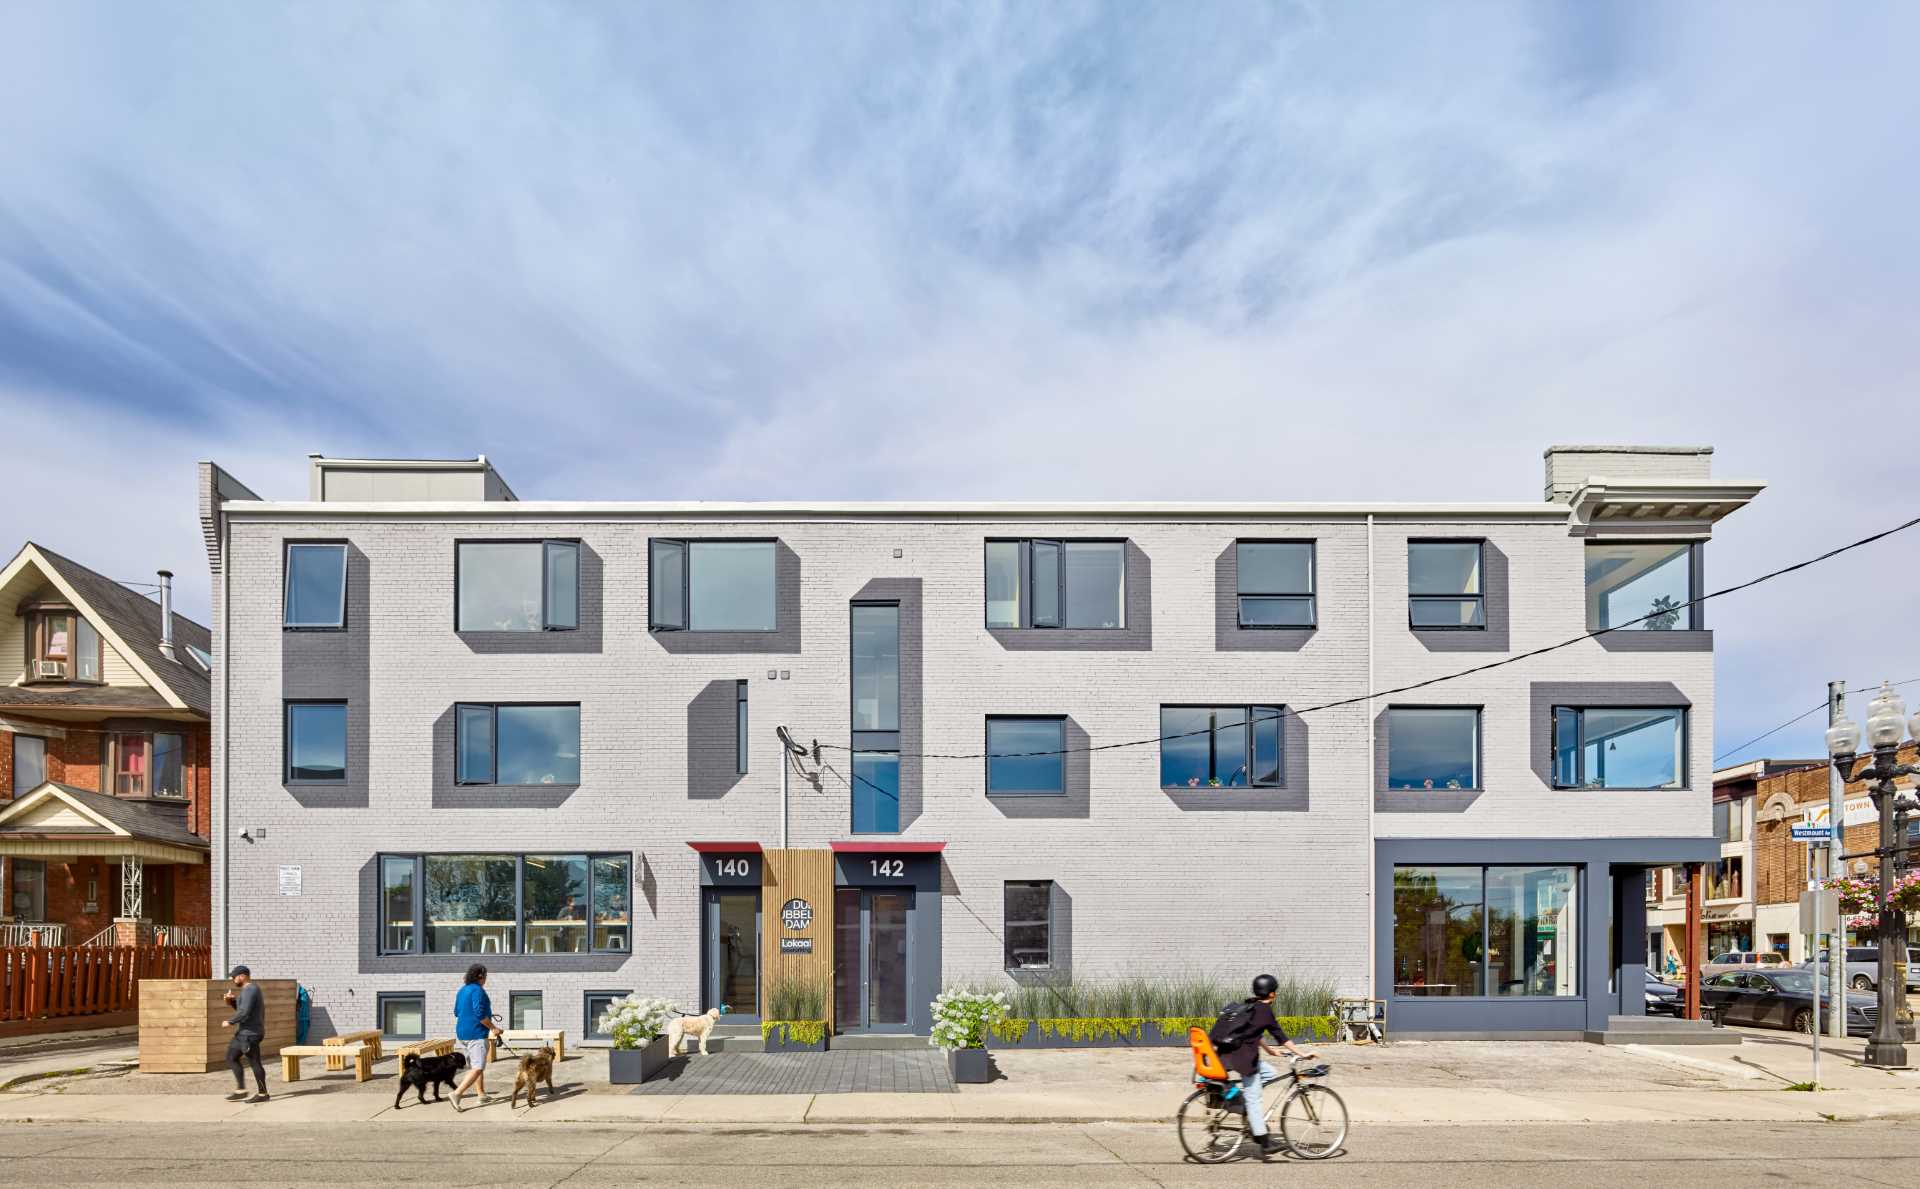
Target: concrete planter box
(970,1066)
(779,1039)
(630,1067)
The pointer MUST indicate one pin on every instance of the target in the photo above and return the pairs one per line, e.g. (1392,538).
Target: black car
(1779,999)
(1663,998)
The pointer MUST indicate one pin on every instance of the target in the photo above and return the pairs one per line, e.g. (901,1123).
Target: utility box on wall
(181,1022)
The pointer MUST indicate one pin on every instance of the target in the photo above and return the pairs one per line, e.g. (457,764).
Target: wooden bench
(367,1036)
(291,1054)
(438,1047)
(513,1036)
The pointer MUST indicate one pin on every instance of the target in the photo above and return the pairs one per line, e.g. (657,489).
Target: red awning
(726,848)
(862,846)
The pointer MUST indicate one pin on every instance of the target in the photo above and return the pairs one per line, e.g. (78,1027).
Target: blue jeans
(1250,1090)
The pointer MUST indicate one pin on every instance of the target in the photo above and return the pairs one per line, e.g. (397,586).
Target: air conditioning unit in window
(45,669)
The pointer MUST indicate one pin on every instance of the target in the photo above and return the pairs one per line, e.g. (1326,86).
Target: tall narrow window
(1056,584)
(29,763)
(1275,584)
(517,586)
(876,718)
(517,744)
(1433,748)
(315,585)
(397,904)
(1221,746)
(169,765)
(1027,924)
(711,586)
(1024,757)
(740,726)
(316,741)
(86,650)
(1645,587)
(1443,585)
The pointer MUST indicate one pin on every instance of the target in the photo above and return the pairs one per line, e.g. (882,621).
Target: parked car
(1863,967)
(1779,999)
(1663,998)
(1735,960)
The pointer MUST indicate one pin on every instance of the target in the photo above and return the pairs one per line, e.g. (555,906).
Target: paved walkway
(837,1071)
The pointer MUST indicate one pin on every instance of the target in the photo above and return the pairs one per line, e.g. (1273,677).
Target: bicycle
(1312,1119)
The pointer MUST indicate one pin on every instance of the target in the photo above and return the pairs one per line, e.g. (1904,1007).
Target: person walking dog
(249,1024)
(472,1021)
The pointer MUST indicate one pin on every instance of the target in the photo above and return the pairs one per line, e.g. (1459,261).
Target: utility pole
(1836,839)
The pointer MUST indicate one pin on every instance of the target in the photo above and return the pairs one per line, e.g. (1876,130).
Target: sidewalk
(1409,1082)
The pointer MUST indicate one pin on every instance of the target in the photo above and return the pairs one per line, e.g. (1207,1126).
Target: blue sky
(1232,250)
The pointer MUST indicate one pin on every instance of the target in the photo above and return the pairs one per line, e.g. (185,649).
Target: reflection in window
(711,586)
(876,792)
(316,586)
(169,765)
(1530,931)
(1275,585)
(1056,584)
(1220,746)
(554,904)
(1023,756)
(316,741)
(1473,931)
(396,905)
(1443,585)
(875,682)
(517,744)
(1028,924)
(1652,583)
(567,904)
(86,650)
(470,904)
(518,586)
(612,887)
(1438,920)
(29,763)
(1618,748)
(1003,583)
(1729,822)
(1433,748)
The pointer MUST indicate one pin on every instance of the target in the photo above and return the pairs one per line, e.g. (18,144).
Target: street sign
(1803,832)
(1819,912)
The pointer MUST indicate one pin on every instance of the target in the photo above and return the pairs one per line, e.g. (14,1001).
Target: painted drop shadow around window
(713,760)
(1228,635)
(1076,778)
(449,794)
(1641,640)
(372,961)
(333,664)
(588,638)
(908,593)
(1497,599)
(1059,942)
(783,639)
(1137,636)
(1291,797)
(1543,696)
(1392,800)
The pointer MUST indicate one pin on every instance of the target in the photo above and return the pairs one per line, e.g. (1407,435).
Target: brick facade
(1780,863)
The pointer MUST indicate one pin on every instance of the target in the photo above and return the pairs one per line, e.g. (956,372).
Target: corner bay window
(1443,585)
(875,684)
(62,646)
(517,586)
(1486,931)
(1024,757)
(1652,583)
(517,744)
(1056,584)
(316,741)
(1275,584)
(145,765)
(315,585)
(1618,748)
(505,904)
(710,586)
(1027,924)
(1220,746)
(1433,748)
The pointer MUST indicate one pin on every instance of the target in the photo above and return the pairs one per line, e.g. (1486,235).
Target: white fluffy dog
(682,1028)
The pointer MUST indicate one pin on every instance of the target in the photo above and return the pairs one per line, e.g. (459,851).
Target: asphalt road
(1698,1156)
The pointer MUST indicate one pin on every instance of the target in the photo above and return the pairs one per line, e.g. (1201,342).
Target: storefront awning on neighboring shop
(865,846)
(726,848)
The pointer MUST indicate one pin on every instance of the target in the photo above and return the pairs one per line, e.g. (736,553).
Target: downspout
(223,717)
(1373,842)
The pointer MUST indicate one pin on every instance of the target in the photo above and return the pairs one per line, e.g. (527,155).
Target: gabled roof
(131,624)
(93,816)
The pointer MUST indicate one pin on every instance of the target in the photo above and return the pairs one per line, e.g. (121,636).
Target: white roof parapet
(883,510)
(1644,507)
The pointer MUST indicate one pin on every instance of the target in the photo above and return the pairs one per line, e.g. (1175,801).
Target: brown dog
(534,1069)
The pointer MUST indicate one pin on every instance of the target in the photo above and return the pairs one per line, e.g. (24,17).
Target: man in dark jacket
(1243,1058)
(249,1024)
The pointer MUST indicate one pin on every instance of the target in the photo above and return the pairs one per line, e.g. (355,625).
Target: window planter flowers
(638,1026)
(961,1021)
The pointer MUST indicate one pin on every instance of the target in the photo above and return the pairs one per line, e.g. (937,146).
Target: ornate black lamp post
(1884,723)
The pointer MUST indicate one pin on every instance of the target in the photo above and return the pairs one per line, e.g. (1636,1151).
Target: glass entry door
(732,953)
(872,972)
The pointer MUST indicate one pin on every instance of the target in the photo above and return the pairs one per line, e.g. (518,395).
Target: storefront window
(1530,930)
(470,904)
(611,883)
(1497,931)
(1438,919)
(555,904)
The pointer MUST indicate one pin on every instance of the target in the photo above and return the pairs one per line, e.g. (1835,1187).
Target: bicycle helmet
(1264,985)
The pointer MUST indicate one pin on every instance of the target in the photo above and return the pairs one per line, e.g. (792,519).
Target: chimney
(166,614)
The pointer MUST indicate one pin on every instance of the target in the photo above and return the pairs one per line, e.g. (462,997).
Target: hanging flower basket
(1860,896)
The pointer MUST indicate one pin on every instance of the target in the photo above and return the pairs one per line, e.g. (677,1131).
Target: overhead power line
(1865,688)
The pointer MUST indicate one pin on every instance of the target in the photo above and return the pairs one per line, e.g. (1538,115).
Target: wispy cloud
(1227,250)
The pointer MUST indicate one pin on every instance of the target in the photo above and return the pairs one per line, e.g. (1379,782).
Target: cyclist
(1242,1056)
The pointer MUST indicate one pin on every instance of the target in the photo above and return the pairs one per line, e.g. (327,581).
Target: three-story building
(695,749)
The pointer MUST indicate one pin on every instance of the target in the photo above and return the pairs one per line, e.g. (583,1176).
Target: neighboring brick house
(105,760)
(1054,739)
(1783,867)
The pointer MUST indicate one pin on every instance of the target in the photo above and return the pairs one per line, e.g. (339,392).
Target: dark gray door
(873,960)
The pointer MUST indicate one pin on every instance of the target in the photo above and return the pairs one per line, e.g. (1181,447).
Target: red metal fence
(42,982)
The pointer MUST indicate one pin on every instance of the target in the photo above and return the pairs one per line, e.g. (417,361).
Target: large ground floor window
(1486,931)
(505,904)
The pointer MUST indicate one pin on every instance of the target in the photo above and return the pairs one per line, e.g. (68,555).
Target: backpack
(1230,1031)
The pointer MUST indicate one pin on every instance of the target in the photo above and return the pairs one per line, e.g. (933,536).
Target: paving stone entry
(837,1071)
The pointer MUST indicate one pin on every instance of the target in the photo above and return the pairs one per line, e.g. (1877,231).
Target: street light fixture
(1886,716)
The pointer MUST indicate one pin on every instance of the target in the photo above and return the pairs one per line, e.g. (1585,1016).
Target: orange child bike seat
(1206,1058)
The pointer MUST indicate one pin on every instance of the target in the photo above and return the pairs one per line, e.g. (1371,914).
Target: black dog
(421,1072)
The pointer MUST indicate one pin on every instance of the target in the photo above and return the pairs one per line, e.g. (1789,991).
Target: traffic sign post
(1819,913)
(1820,835)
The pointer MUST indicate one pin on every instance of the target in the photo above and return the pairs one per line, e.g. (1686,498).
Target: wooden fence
(44,982)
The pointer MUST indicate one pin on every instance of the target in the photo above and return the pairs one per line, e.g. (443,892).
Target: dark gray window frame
(1213,741)
(1311,594)
(539,996)
(1058,720)
(1695,611)
(286,741)
(546,582)
(686,545)
(1480,568)
(740,725)
(419,860)
(1553,750)
(286,582)
(380,1001)
(1006,931)
(494,737)
(1027,544)
(878,742)
(1479,747)
(588,1023)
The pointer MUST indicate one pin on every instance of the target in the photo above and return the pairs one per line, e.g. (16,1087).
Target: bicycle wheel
(1314,1122)
(1209,1134)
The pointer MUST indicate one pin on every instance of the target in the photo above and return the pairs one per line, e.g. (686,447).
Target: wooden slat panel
(805,875)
